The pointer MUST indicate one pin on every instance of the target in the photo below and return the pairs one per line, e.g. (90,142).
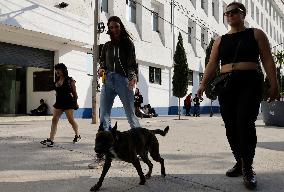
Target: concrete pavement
(195,150)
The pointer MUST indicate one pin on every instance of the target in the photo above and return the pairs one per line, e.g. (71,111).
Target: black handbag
(221,81)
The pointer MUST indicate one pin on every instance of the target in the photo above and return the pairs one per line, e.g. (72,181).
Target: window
(43,81)
(252,9)
(204,36)
(261,21)
(224,19)
(189,34)
(155,21)
(155,75)
(266,25)
(193,3)
(131,11)
(200,77)
(104,5)
(190,77)
(202,4)
(202,40)
(246,3)
(213,9)
(257,15)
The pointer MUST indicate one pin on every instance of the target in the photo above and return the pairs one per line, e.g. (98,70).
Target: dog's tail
(161,132)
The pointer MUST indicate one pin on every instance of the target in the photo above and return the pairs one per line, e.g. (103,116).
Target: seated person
(152,111)
(41,110)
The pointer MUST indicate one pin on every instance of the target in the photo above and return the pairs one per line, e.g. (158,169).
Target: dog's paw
(142,182)
(148,176)
(95,187)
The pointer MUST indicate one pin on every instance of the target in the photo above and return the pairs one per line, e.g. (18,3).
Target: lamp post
(95,61)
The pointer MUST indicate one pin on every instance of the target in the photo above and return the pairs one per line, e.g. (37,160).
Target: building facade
(36,34)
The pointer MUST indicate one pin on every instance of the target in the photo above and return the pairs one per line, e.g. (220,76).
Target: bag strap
(236,53)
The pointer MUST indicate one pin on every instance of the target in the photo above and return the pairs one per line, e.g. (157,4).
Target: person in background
(239,51)
(41,110)
(138,100)
(66,101)
(196,111)
(187,104)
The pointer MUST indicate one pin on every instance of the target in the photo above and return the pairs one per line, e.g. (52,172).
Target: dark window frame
(155,75)
(43,81)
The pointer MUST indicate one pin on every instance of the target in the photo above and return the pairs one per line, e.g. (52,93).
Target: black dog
(126,146)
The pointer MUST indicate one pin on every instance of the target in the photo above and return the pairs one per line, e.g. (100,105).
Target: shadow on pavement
(276,146)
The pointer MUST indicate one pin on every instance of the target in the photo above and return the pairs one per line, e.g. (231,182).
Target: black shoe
(47,142)
(236,171)
(76,138)
(249,178)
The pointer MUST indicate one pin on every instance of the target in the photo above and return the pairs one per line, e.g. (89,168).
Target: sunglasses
(233,12)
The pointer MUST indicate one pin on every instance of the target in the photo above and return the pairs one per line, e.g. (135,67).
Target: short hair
(240,6)
(41,100)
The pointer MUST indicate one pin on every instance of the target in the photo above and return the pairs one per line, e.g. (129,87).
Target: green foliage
(181,71)
(208,86)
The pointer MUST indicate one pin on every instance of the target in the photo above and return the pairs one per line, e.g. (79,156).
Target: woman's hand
(200,90)
(101,72)
(273,93)
(132,83)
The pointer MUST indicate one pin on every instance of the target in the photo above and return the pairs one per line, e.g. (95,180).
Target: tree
(208,86)
(279,56)
(181,72)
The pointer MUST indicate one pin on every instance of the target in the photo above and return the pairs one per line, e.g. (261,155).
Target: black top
(64,97)
(248,48)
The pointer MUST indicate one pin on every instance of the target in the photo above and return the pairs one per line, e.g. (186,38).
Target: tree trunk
(179,108)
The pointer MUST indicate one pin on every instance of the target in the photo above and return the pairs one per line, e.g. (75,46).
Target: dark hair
(124,35)
(41,100)
(63,68)
(240,6)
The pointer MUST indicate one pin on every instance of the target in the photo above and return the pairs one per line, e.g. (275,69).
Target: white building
(36,34)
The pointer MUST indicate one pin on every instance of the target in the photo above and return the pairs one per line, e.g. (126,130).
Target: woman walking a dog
(118,63)
(239,51)
(66,101)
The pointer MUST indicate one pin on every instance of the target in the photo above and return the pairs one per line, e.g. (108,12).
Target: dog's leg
(104,172)
(137,165)
(155,154)
(146,160)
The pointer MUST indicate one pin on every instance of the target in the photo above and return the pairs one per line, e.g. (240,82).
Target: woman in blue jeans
(118,62)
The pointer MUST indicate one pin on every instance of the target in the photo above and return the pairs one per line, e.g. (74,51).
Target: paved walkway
(196,157)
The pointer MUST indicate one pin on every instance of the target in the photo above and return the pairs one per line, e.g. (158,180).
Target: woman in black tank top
(239,51)
(66,101)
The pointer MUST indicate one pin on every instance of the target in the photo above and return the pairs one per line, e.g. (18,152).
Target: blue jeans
(115,85)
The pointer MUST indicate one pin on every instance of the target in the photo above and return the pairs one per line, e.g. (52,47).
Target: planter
(273,113)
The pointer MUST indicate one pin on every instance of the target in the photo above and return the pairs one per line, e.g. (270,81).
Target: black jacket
(119,58)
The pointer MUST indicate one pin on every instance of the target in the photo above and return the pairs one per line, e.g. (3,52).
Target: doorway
(13,92)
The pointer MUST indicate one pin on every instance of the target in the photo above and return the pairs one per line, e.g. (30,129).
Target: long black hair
(63,68)
(124,35)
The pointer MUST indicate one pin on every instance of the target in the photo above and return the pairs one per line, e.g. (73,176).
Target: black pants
(239,106)
(187,110)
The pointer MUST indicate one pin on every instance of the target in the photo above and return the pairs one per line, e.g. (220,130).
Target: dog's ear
(101,127)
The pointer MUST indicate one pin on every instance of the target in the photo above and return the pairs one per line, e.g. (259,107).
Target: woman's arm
(267,62)
(211,67)
(73,89)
